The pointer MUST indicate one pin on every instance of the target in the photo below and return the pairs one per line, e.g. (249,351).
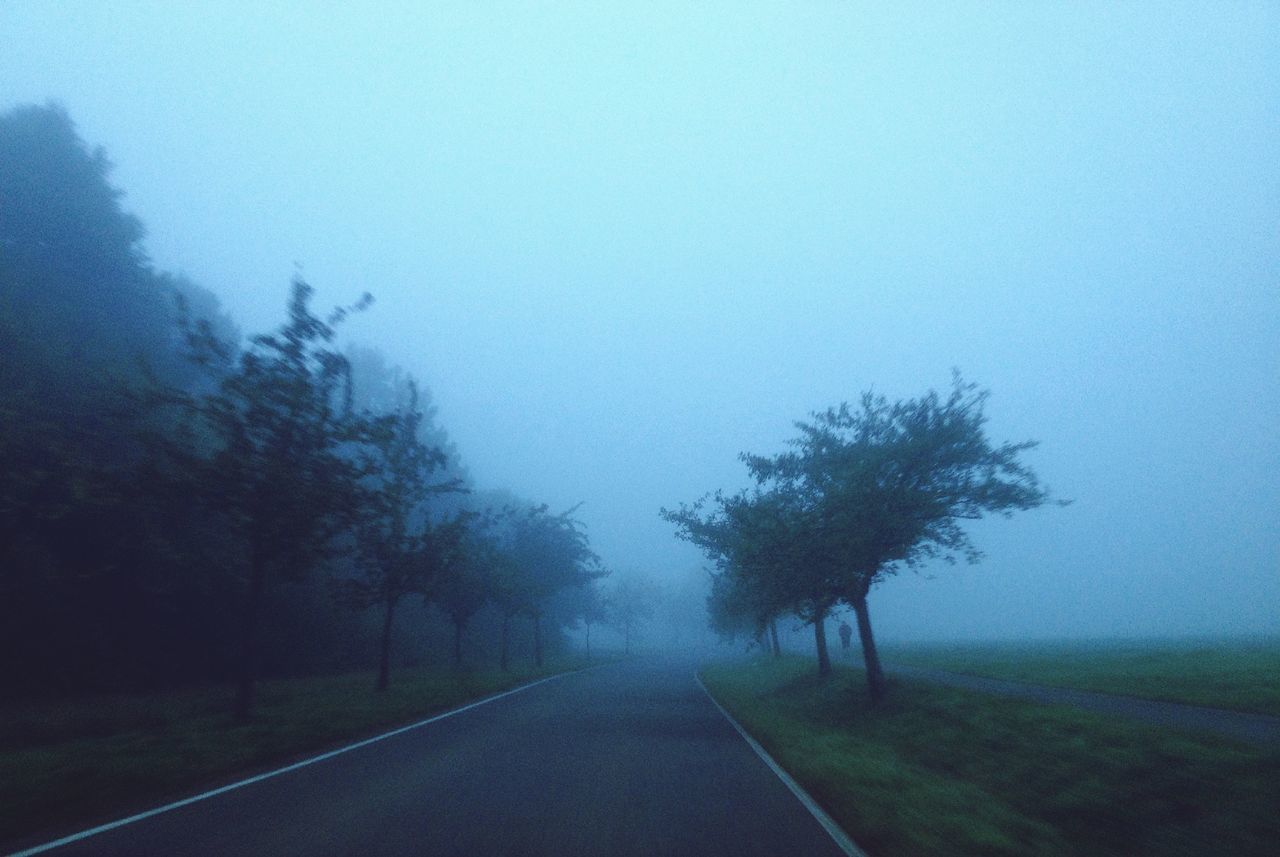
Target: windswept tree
(271,453)
(890,484)
(865,491)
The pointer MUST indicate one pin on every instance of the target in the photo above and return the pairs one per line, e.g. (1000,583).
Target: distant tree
(380,387)
(632,601)
(767,542)
(592,610)
(550,553)
(282,471)
(732,612)
(391,522)
(463,554)
(81,308)
(510,592)
(888,484)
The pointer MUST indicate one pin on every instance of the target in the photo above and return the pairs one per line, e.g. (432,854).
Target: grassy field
(1241,675)
(940,771)
(67,765)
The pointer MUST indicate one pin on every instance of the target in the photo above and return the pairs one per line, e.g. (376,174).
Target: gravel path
(1259,729)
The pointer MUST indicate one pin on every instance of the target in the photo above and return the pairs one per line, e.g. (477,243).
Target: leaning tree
(891,485)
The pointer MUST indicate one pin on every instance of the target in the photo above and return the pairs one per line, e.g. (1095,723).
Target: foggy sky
(622,243)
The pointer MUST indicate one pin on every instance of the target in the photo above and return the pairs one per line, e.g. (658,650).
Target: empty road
(628,758)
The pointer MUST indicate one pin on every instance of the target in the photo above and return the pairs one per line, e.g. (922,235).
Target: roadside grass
(942,771)
(70,764)
(1243,675)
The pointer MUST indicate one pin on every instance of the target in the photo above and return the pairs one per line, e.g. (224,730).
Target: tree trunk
(773,638)
(537,640)
(506,642)
(820,639)
(458,625)
(870,657)
(384,654)
(247,668)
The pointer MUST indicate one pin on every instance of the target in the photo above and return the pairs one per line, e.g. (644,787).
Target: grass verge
(71,764)
(1243,675)
(942,771)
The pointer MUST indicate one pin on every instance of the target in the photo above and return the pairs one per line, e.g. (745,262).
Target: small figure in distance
(846,633)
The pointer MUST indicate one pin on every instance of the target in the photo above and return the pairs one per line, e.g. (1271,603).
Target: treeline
(864,491)
(180,505)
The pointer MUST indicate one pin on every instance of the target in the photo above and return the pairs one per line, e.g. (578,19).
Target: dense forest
(183,503)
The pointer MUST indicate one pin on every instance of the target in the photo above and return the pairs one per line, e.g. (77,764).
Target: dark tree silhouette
(392,524)
(733,611)
(463,557)
(282,472)
(889,484)
(865,491)
(88,597)
(550,552)
(766,544)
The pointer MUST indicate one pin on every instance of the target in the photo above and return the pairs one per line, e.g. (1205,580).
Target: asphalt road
(630,758)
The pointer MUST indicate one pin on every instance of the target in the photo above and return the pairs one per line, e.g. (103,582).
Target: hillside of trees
(183,503)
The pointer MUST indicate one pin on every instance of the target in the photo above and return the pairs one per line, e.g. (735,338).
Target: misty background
(621,245)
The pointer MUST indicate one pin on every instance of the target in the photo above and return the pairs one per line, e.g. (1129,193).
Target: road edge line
(843,841)
(177,804)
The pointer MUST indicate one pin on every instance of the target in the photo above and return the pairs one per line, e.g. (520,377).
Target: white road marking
(842,840)
(103,828)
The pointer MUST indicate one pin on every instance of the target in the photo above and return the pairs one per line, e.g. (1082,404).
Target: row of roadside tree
(182,504)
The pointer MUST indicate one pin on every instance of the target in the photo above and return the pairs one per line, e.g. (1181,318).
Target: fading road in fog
(627,759)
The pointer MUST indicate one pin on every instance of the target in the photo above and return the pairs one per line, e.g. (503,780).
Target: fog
(621,245)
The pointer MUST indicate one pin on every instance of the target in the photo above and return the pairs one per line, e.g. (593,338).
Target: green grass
(1235,674)
(941,771)
(70,764)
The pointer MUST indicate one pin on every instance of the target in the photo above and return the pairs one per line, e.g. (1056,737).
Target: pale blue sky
(622,244)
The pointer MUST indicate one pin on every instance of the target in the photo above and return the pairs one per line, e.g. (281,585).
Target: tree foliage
(86,586)
(863,492)
(283,473)
(394,535)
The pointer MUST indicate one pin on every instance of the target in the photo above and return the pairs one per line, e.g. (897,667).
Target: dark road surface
(1259,729)
(629,758)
